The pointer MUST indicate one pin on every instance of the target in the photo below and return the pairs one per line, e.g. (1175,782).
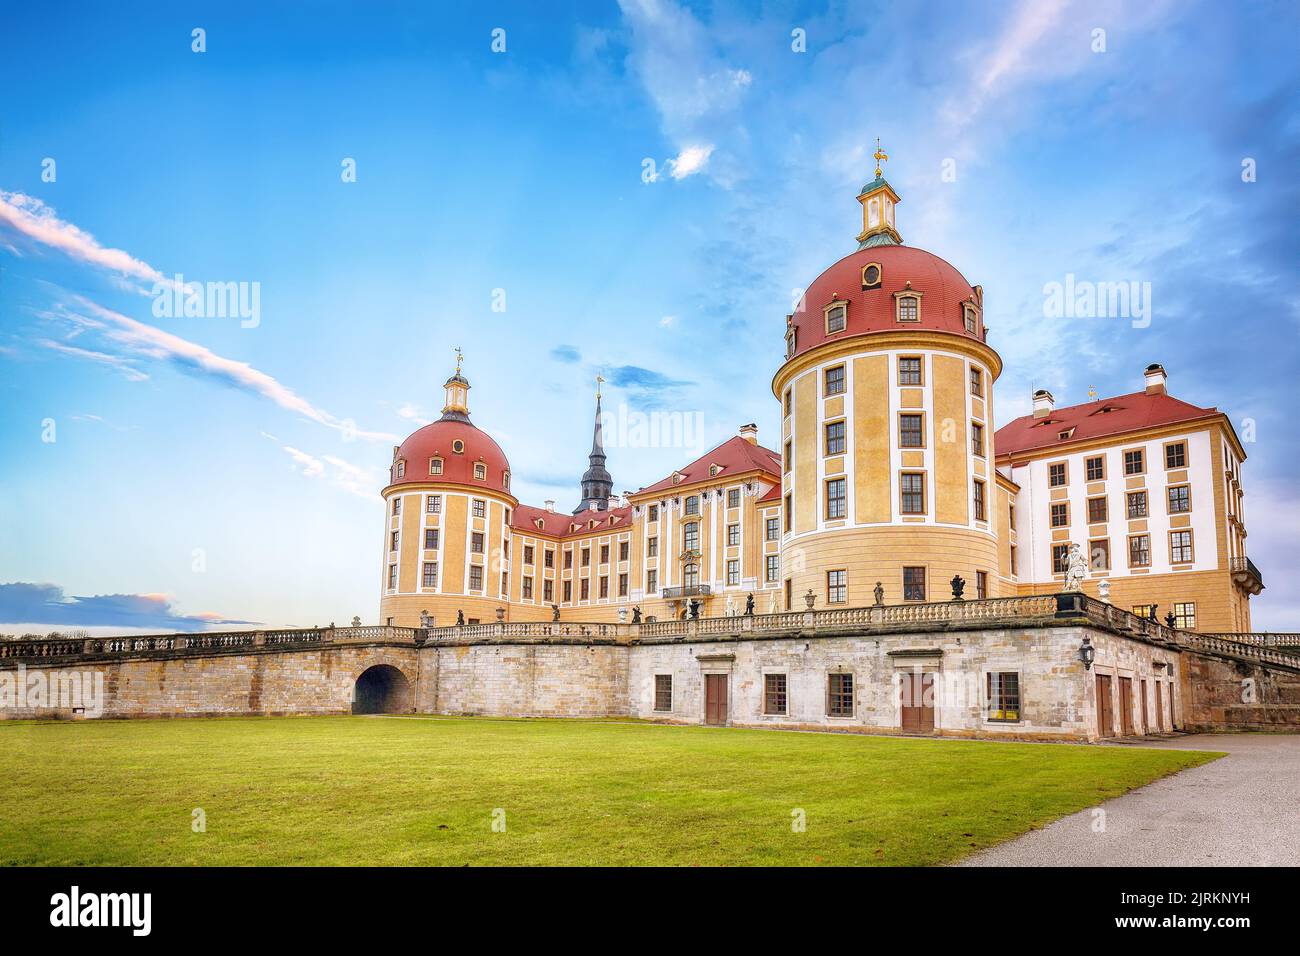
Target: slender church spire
(597,483)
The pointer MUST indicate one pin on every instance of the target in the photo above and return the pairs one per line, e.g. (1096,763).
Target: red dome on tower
(945,296)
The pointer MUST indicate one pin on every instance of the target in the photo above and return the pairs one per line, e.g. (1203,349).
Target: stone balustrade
(1037,610)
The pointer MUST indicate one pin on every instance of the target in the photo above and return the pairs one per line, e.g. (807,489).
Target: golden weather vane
(460,356)
(881,156)
(1092,393)
(599,379)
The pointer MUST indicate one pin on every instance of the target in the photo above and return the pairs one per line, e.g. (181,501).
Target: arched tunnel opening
(382,689)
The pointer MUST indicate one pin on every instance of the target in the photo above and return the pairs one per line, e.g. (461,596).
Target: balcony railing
(1245,573)
(685,591)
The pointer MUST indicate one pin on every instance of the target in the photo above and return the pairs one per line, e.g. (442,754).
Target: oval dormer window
(871,276)
(458,447)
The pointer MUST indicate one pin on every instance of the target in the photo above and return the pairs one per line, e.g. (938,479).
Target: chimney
(749,433)
(1043,403)
(550,504)
(1156,379)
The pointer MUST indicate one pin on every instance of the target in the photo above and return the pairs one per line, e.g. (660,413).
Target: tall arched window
(691,576)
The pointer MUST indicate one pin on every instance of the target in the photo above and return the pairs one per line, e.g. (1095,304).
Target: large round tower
(887,412)
(447,513)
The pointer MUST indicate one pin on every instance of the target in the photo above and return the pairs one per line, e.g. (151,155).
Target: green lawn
(357,790)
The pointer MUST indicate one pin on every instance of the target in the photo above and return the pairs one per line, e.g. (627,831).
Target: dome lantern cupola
(878,201)
(456,407)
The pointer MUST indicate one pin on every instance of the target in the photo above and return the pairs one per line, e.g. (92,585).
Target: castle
(890,482)
(898,566)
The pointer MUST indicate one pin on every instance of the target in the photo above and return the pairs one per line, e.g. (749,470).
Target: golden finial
(881,156)
(599,379)
(460,356)
(1092,393)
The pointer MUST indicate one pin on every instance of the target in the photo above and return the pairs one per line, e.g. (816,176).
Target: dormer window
(971,317)
(505,480)
(1065,435)
(715,470)
(677,477)
(435,466)
(837,314)
(790,340)
(909,306)
(399,469)
(480,471)
(458,447)
(871,275)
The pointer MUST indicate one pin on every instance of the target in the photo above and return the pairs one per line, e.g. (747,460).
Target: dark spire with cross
(597,483)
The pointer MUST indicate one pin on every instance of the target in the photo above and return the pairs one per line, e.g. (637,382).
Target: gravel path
(1240,810)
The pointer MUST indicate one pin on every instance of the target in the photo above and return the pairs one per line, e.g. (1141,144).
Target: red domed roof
(438,440)
(943,293)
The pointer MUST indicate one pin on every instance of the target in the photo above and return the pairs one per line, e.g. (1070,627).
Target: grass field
(357,790)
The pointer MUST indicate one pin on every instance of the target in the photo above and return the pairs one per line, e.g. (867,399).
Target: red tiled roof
(773,494)
(736,455)
(435,441)
(943,289)
(557,524)
(1127,413)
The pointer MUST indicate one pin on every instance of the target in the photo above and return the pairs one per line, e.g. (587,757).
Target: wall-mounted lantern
(1087,653)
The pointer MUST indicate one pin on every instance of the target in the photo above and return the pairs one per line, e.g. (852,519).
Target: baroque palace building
(890,481)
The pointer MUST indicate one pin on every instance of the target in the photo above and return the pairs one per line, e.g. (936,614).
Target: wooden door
(715,699)
(917,702)
(1160,710)
(1146,723)
(1126,706)
(1105,715)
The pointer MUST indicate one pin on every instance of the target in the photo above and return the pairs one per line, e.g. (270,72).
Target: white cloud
(689,161)
(668,321)
(114,361)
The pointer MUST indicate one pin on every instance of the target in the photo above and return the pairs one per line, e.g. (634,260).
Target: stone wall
(1226,694)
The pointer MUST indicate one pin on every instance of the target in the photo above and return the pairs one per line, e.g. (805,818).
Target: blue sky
(202,471)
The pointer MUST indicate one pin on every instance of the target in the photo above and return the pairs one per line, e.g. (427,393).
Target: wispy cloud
(566,353)
(27,603)
(113,361)
(337,471)
(144,341)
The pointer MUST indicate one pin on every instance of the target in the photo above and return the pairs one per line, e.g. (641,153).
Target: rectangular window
(586,557)
(548,558)
(733,535)
(393,544)
(433,504)
(622,585)
(733,572)
(977,439)
(788,401)
(774,694)
(913,584)
(397,506)
(654,513)
(981,585)
(692,505)
(837,587)
(651,581)
(977,501)
(584,589)
(839,695)
(909,371)
(528,554)
(836,498)
(691,536)
(1099,554)
(1139,551)
(913,487)
(773,528)
(1137,504)
(788,461)
(1176,455)
(652,547)
(835,438)
(1060,514)
(435,466)
(1180,499)
(909,308)
(431,539)
(430,579)
(1134,463)
(733,497)
(1096,510)
(604,554)
(568,559)
(528,589)
(1145,610)
(480,508)
(392,577)
(1059,554)
(548,591)
(977,383)
(1185,615)
(475,577)
(476,542)
(910,431)
(1095,468)
(789,512)
(623,547)
(663,692)
(835,380)
(1056,475)
(836,319)
(1013,560)
(1004,696)
(568,591)
(1180,547)
(773,567)
(604,585)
